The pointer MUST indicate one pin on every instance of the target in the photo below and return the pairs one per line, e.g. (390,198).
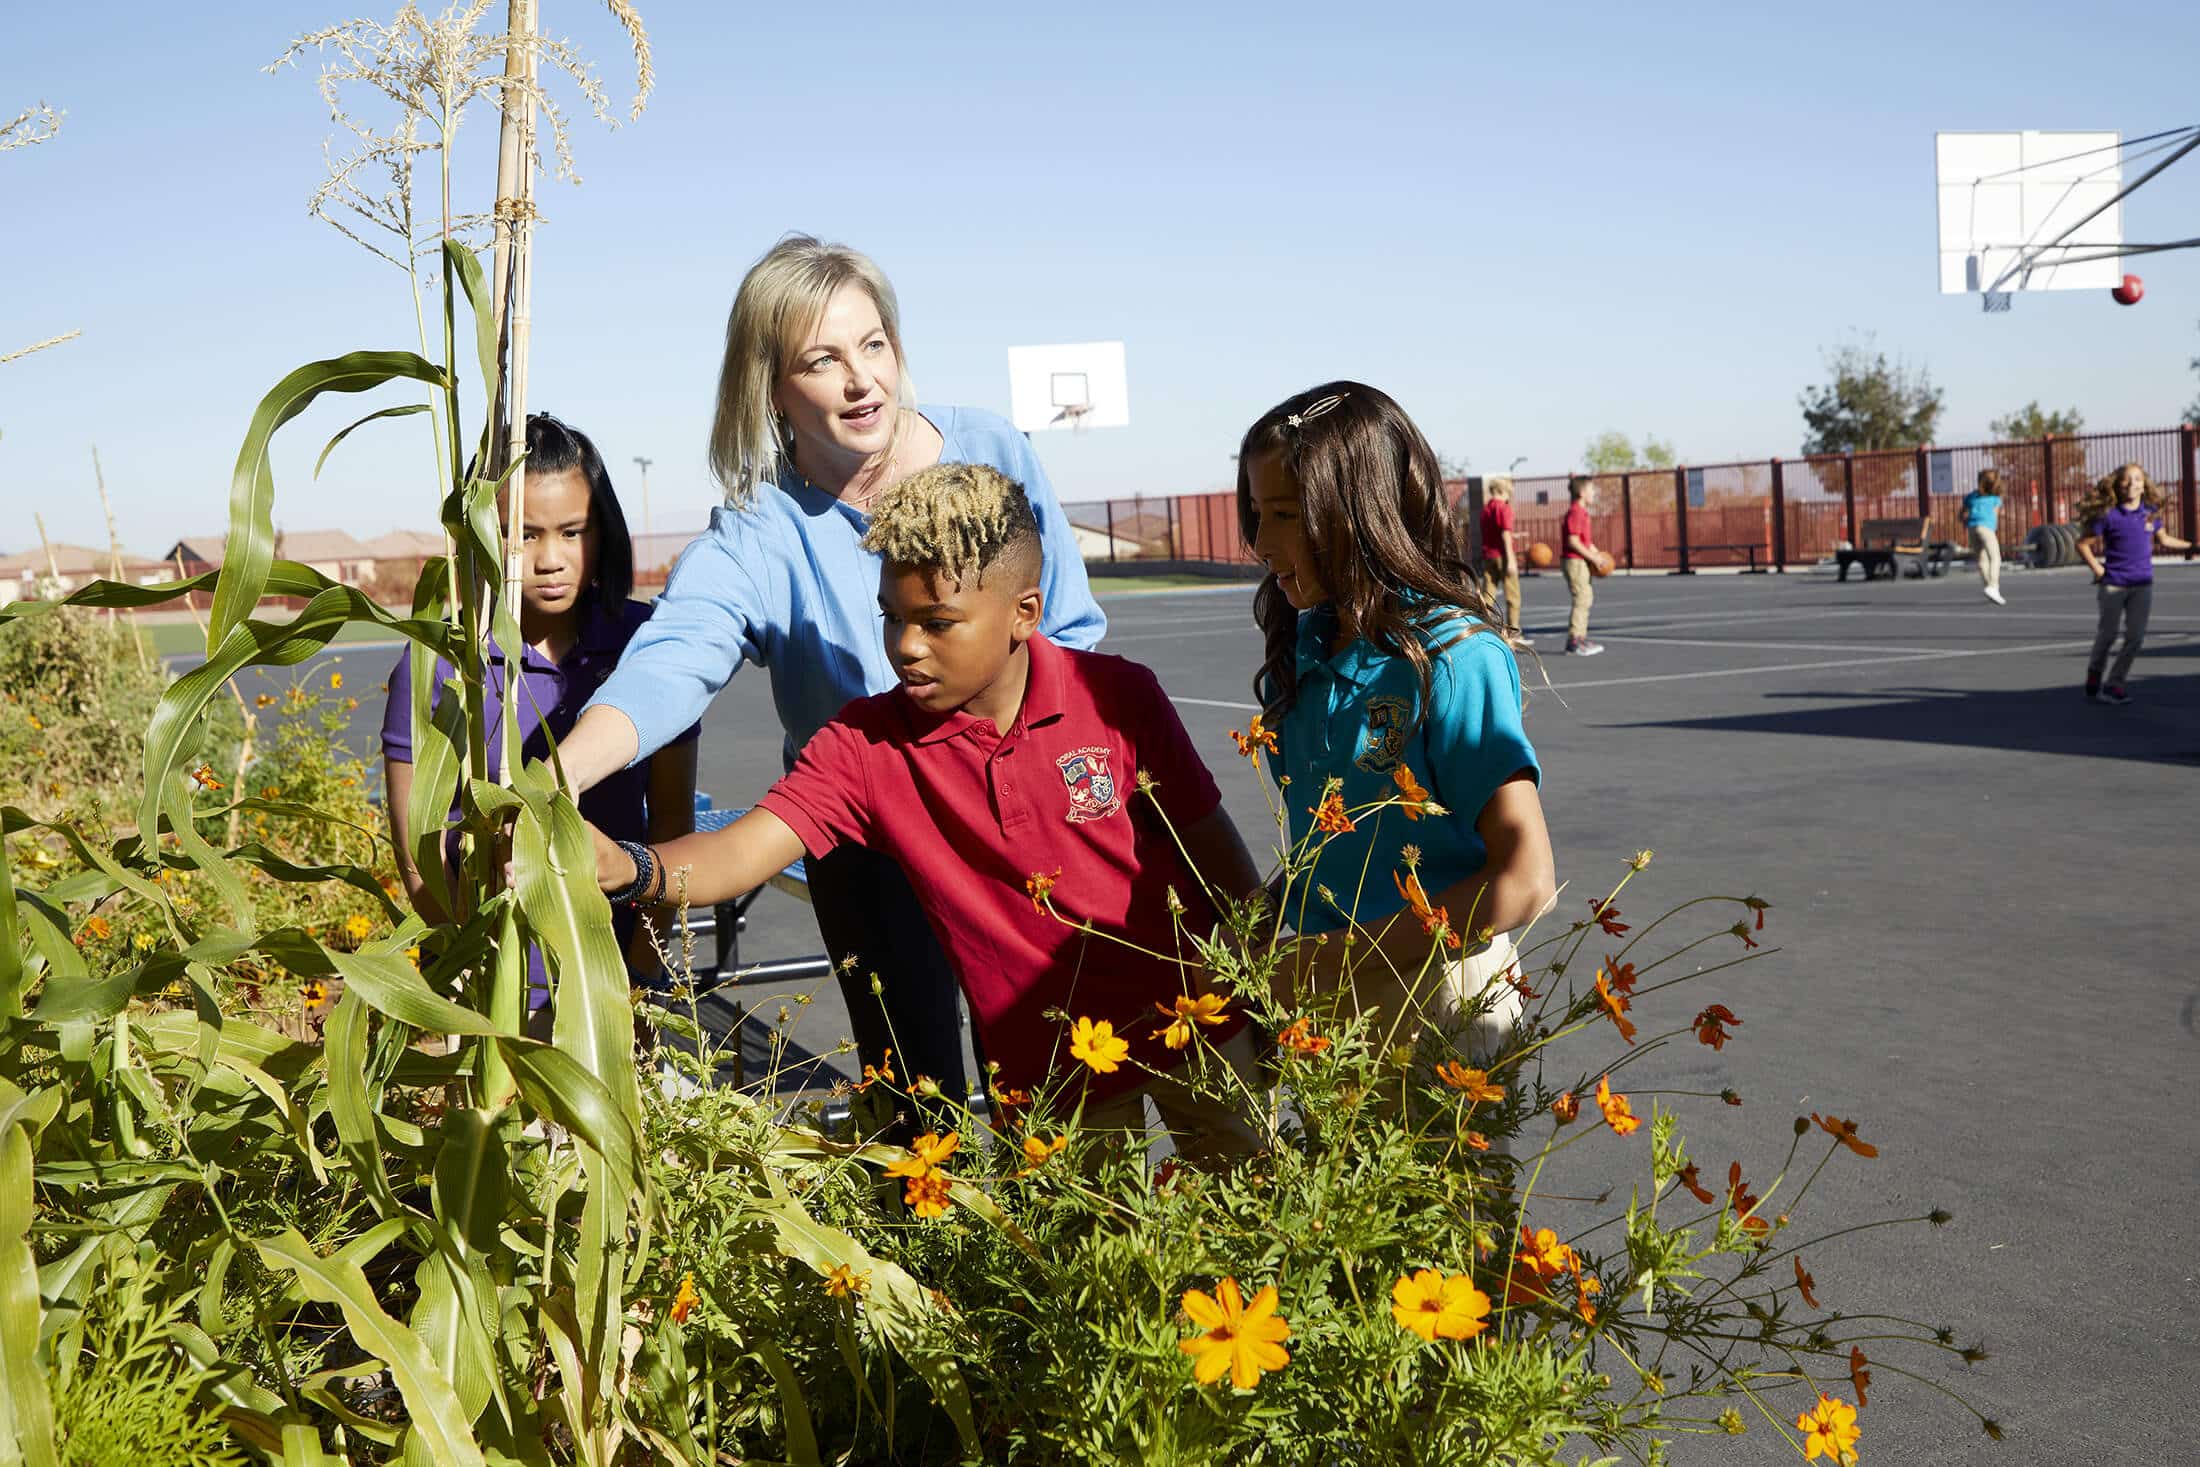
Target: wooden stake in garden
(114,558)
(512,288)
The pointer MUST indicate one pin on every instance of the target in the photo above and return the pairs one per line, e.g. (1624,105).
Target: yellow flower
(335,679)
(204,774)
(412,956)
(1240,1338)
(684,1302)
(1189,1012)
(1829,1430)
(357,927)
(1097,1045)
(265,700)
(927,1152)
(34,720)
(143,942)
(842,1281)
(1431,1303)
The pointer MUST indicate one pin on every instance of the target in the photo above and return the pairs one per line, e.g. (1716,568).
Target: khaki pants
(1205,1129)
(1579,584)
(1494,581)
(1988,543)
(2130,606)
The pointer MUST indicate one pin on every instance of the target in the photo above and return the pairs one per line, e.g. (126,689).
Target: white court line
(1771,646)
(1216,703)
(1682,677)
(2074,616)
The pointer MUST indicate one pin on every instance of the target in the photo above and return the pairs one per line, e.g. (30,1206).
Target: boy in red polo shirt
(1002,759)
(1579,548)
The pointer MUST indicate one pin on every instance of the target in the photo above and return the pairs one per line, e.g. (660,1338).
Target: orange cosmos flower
(1606,916)
(1097,1045)
(1431,1304)
(842,1281)
(1329,815)
(1474,1084)
(1188,1013)
(1615,1005)
(1859,1377)
(1416,800)
(1687,1178)
(927,1195)
(1038,1153)
(1621,974)
(684,1302)
(1434,920)
(1566,1107)
(1299,1035)
(1538,1258)
(1744,1203)
(926,1154)
(1039,886)
(1829,1431)
(1244,1339)
(1617,1113)
(204,774)
(1845,1133)
(1476,1141)
(1519,984)
(1710,1025)
(1806,1284)
(1257,736)
(874,1074)
(96,929)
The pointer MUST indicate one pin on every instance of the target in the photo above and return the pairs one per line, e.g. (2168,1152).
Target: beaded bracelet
(645,871)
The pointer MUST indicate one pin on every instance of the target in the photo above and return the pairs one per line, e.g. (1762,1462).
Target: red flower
(1858,1375)
(1519,984)
(1806,1283)
(1299,1035)
(1687,1178)
(1709,1022)
(1845,1133)
(1741,930)
(1744,1204)
(1622,975)
(1606,916)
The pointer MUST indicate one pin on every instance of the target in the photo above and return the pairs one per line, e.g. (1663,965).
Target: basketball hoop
(1073,413)
(1995,301)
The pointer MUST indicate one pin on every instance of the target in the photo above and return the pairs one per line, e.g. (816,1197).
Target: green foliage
(1870,403)
(124,1392)
(2030,422)
(1613,452)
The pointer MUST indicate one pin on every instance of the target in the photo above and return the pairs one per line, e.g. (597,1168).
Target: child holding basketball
(1982,516)
(1500,558)
(1386,673)
(1581,552)
(2122,519)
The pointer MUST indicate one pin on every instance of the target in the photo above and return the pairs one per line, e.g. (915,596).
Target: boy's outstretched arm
(720,865)
(1219,855)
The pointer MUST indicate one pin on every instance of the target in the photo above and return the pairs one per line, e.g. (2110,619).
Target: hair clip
(1314,410)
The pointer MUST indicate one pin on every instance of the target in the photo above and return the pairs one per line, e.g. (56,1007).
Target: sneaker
(1993,594)
(1584,647)
(2093,688)
(2115,695)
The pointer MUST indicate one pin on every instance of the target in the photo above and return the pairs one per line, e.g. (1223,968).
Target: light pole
(645,463)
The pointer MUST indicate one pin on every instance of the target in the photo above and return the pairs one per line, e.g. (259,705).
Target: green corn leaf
(351,1107)
(248,554)
(26,1413)
(448,1320)
(442,1423)
(463,264)
(11,940)
(555,1084)
(404,410)
(794,1407)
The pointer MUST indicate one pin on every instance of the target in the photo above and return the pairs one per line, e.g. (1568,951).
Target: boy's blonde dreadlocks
(957,520)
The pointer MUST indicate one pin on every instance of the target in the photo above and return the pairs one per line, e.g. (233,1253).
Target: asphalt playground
(1980,947)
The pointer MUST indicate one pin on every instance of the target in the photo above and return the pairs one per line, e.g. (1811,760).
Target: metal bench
(1884,544)
(1754,549)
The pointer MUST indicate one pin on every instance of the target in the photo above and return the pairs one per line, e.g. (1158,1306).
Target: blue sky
(1527,223)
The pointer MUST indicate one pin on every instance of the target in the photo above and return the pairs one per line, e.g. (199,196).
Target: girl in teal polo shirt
(1388,676)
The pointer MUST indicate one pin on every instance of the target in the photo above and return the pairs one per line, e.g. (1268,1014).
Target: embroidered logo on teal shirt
(1388,720)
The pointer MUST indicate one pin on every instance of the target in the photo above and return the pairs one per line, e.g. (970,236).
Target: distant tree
(1871,403)
(1613,452)
(1453,466)
(2029,422)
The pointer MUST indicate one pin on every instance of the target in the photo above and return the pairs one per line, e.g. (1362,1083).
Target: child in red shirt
(1500,558)
(1579,551)
(1003,769)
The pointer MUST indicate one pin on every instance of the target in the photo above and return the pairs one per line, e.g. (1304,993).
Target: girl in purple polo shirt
(575,620)
(2123,523)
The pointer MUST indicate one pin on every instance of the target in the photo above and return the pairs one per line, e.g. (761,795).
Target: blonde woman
(815,420)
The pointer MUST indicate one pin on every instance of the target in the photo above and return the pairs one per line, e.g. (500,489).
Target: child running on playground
(1581,490)
(1982,516)
(1386,677)
(2122,520)
(1007,776)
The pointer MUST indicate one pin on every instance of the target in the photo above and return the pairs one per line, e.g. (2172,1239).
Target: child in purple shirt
(2123,523)
(575,620)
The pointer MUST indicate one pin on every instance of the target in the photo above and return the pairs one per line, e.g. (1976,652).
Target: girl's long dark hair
(553,447)
(1377,524)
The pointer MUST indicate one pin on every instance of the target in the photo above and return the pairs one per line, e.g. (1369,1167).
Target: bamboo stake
(114,557)
(53,567)
(520,326)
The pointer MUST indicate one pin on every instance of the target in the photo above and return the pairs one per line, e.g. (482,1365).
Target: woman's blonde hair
(780,300)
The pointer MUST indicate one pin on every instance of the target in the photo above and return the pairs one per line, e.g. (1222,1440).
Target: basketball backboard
(1076,386)
(2029,211)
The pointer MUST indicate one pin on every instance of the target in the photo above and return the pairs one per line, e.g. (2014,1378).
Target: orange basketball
(1539,556)
(1600,564)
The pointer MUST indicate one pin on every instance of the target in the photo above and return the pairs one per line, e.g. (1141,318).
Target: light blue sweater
(784,583)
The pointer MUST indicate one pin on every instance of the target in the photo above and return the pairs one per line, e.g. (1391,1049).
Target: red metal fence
(1789,511)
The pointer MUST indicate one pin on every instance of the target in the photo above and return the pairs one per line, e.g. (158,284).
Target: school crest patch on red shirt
(1093,792)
